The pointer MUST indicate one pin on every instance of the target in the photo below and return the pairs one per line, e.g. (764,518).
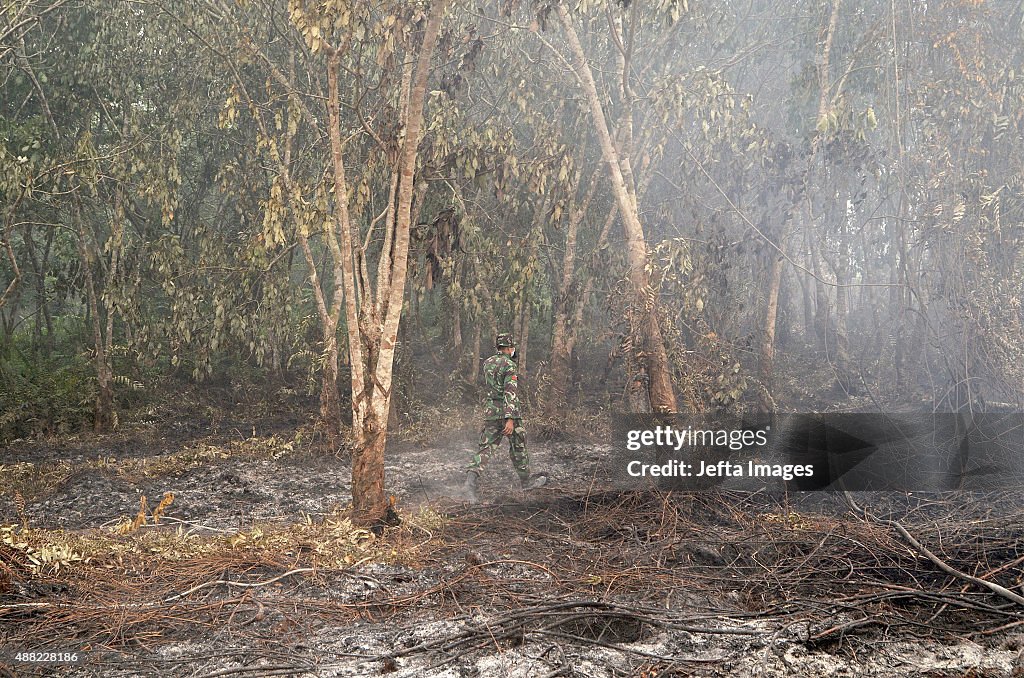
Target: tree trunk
(330,403)
(521,307)
(560,372)
(9,215)
(373,352)
(822,305)
(44,318)
(524,339)
(330,400)
(104,418)
(562,335)
(655,357)
(473,369)
(368,501)
(899,301)
(843,366)
(768,331)
(456,330)
(808,308)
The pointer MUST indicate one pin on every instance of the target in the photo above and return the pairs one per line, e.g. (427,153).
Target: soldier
(502,418)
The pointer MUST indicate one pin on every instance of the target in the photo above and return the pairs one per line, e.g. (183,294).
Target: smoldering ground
(254,570)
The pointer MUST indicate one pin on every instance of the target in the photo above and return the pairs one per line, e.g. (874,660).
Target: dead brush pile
(595,566)
(116,588)
(605,569)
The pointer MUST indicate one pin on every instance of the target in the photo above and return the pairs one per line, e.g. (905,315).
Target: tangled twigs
(938,562)
(634,574)
(841,629)
(586,621)
(945,567)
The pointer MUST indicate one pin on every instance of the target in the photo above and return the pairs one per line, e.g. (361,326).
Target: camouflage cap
(505,339)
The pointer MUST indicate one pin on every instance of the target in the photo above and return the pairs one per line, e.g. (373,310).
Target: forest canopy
(674,206)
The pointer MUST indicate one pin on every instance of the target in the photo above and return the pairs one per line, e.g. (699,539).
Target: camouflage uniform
(501,402)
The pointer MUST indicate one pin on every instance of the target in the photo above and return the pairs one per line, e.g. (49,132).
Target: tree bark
(456,330)
(806,285)
(522,310)
(40,264)
(771,315)
(561,349)
(563,337)
(524,340)
(9,214)
(104,418)
(843,366)
(344,259)
(473,369)
(372,397)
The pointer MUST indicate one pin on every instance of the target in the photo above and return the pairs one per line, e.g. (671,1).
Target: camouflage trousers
(490,437)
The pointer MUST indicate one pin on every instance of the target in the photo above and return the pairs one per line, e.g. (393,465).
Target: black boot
(469,487)
(528,482)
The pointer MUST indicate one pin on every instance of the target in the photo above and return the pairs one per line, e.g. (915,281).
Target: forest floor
(240,561)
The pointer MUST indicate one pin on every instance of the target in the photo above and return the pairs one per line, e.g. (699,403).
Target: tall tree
(658,373)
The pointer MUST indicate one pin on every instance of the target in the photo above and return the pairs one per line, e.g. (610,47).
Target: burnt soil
(574,579)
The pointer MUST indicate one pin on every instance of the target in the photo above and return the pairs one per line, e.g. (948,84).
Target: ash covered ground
(254,570)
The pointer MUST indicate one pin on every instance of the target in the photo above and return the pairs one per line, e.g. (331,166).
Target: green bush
(45,395)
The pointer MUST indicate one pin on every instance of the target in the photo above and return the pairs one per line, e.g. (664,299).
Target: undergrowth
(570,423)
(40,396)
(331,542)
(34,481)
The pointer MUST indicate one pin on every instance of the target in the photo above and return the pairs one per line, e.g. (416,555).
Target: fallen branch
(264,670)
(939,562)
(948,569)
(235,583)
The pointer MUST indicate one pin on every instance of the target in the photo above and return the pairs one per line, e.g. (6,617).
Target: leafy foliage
(193,235)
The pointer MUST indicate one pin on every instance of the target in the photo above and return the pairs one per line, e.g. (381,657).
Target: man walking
(502,418)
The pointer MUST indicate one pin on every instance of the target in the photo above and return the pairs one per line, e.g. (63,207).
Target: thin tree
(655,356)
